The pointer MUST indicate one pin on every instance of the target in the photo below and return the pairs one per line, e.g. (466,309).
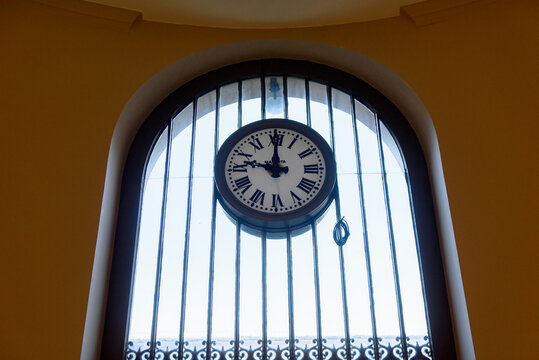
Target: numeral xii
(276,138)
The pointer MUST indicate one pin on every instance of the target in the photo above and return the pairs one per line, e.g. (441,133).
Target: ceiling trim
(96,10)
(433,11)
(422,13)
(275,14)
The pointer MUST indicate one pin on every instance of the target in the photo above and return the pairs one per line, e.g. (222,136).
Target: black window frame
(124,250)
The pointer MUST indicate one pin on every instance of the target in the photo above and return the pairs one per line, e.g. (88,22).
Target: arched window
(189,282)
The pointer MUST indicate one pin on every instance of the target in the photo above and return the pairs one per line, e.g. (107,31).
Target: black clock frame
(276,224)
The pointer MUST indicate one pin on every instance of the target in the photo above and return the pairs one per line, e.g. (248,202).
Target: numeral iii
(310,169)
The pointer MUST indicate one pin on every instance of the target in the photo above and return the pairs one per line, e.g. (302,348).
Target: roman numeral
(292,143)
(238,168)
(241,153)
(244,183)
(310,169)
(277,138)
(306,185)
(276,200)
(305,153)
(257,196)
(295,197)
(256,144)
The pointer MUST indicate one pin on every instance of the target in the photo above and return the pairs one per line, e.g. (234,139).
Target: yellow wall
(65,78)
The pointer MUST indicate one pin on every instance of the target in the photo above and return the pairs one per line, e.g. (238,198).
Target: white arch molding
(151,93)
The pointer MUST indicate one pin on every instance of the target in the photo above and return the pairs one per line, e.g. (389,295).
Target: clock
(275,175)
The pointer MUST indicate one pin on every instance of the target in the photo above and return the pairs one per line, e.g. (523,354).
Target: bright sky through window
(250,291)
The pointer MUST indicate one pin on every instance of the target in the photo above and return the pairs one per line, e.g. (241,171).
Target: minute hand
(276,169)
(275,141)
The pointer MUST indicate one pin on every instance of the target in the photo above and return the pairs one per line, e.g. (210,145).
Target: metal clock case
(275,175)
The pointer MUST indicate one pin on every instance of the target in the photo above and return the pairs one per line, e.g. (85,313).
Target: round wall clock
(275,175)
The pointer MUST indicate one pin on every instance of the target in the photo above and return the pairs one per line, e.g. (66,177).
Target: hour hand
(254,164)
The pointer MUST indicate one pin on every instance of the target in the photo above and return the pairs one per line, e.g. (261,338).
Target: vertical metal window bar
(264,255)
(308,102)
(237,294)
(291,337)
(365,232)
(285,95)
(319,339)
(338,216)
(263,97)
(391,241)
(264,244)
(412,212)
(319,344)
(240,99)
(238,254)
(153,340)
(213,225)
(187,232)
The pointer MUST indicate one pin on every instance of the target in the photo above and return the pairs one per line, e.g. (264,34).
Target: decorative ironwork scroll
(416,351)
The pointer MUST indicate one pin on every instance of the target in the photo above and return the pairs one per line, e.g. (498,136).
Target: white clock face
(275,170)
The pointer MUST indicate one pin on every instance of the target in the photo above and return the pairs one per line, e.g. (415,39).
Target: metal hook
(341,232)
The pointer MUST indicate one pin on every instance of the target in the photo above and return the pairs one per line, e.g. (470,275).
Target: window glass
(216,286)
(168,322)
(199,231)
(297,110)
(143,297)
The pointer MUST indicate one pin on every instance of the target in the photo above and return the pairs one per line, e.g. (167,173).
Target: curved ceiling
(260,13)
